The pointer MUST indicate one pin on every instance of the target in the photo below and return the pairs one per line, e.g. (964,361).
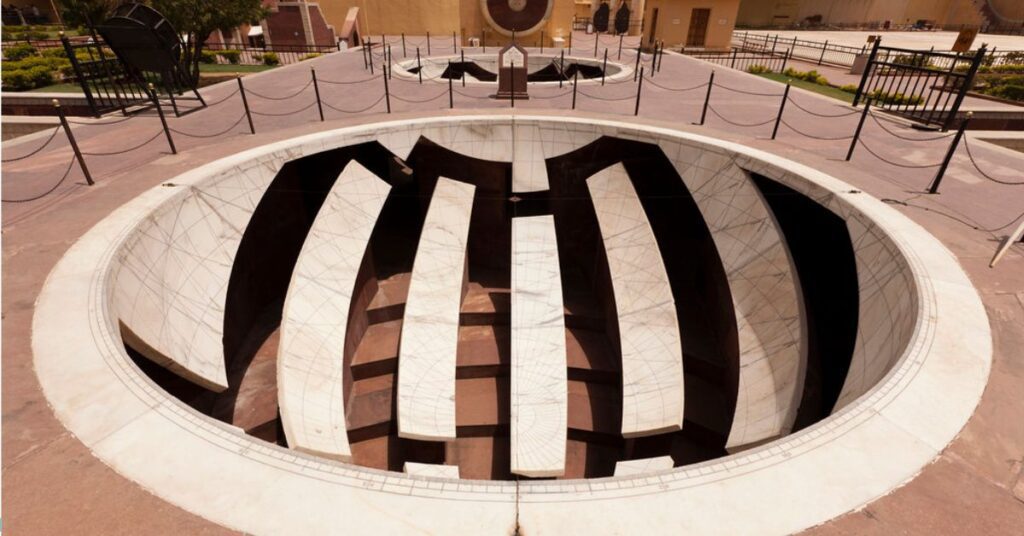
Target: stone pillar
(307,25)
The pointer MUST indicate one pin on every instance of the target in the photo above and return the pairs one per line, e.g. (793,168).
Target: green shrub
(849,88)
(232,56)
(1014,92)
(310,56)
(25,79)
(879,96)
(19,51)
(207,56)
(758,69)
(811,76)
(270,58)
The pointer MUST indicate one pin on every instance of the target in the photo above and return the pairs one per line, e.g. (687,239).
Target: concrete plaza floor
(53,485)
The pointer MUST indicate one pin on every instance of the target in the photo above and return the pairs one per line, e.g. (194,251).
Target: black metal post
(455,43)
(732,64)
(636,68)
(73,143)
(639,87)
(707,98)
(785,59)
(575,78)
(463,53)
(782,106)
(621,36)
(542,41)
(512,81)
(391,63)
(934,189)
(451,98)
(597,40)
(316,91)
(245,104)
(823,49)
(856,133)
(561,74)
(867,73)
(483,41)
(404,55)
(369,54)
(163,120)
(387,94)
(604,67)
(428,42)
(775,42)
(965,86)
(366,61)
(419,65)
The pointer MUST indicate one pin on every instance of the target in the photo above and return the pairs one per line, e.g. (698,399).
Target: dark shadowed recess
(819,243)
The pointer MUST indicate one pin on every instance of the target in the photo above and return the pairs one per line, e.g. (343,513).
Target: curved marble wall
(173,269)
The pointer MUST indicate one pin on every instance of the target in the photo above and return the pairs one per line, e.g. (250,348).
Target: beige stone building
(707,23)
(947,13)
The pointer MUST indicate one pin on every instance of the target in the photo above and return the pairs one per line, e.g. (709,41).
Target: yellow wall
(674,21)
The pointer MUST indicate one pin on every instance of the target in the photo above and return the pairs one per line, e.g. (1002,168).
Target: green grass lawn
(228,68)
(58,88)
(827,91)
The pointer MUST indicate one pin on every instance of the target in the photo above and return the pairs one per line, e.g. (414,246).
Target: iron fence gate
(925,86)
(102,77)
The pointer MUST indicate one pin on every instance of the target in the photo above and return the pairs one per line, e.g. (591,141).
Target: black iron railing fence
(379,93)
(823,52)
(257,55)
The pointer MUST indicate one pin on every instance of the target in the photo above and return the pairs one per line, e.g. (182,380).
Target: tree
(195,20)
(85,12)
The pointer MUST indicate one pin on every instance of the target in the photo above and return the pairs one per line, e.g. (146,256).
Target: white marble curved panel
(652,356)
(539,379)
(174,274)
(315,319)
(886,312)
(430,328)
(764,287)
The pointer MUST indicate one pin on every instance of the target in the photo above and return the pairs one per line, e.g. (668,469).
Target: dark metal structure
(925,86)
(149,49)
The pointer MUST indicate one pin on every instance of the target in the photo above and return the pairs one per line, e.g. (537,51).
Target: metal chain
(420,101)
(891,133)
(48,192)
(340,110)
(974,162)
(748,92)
(457,92)
(301,89)
(720,116)
(335,82)
(221,133)
(129,149)
(101,124)
(679,89)
(797,104)
(224,99)
(40,148)
(824,138)
(897,164)
(304,108)
(609,99)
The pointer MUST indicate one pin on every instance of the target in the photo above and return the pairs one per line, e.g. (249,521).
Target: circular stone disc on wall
(522,16)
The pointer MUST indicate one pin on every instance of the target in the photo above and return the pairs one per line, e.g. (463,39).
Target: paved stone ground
(53,485)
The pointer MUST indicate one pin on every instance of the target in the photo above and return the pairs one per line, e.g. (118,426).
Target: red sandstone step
(595,407)
(377,352)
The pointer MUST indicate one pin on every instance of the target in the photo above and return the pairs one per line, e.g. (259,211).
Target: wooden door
(698,32)
(654,26)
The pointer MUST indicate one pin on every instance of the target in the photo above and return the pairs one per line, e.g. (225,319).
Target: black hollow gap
(820,246)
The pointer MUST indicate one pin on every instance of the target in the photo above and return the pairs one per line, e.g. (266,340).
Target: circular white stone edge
(400,69)
(878,442)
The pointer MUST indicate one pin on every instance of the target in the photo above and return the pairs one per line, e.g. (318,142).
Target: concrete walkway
(54,486)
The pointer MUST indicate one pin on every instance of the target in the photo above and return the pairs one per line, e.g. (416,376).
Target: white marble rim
(875,444)
(401,69)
